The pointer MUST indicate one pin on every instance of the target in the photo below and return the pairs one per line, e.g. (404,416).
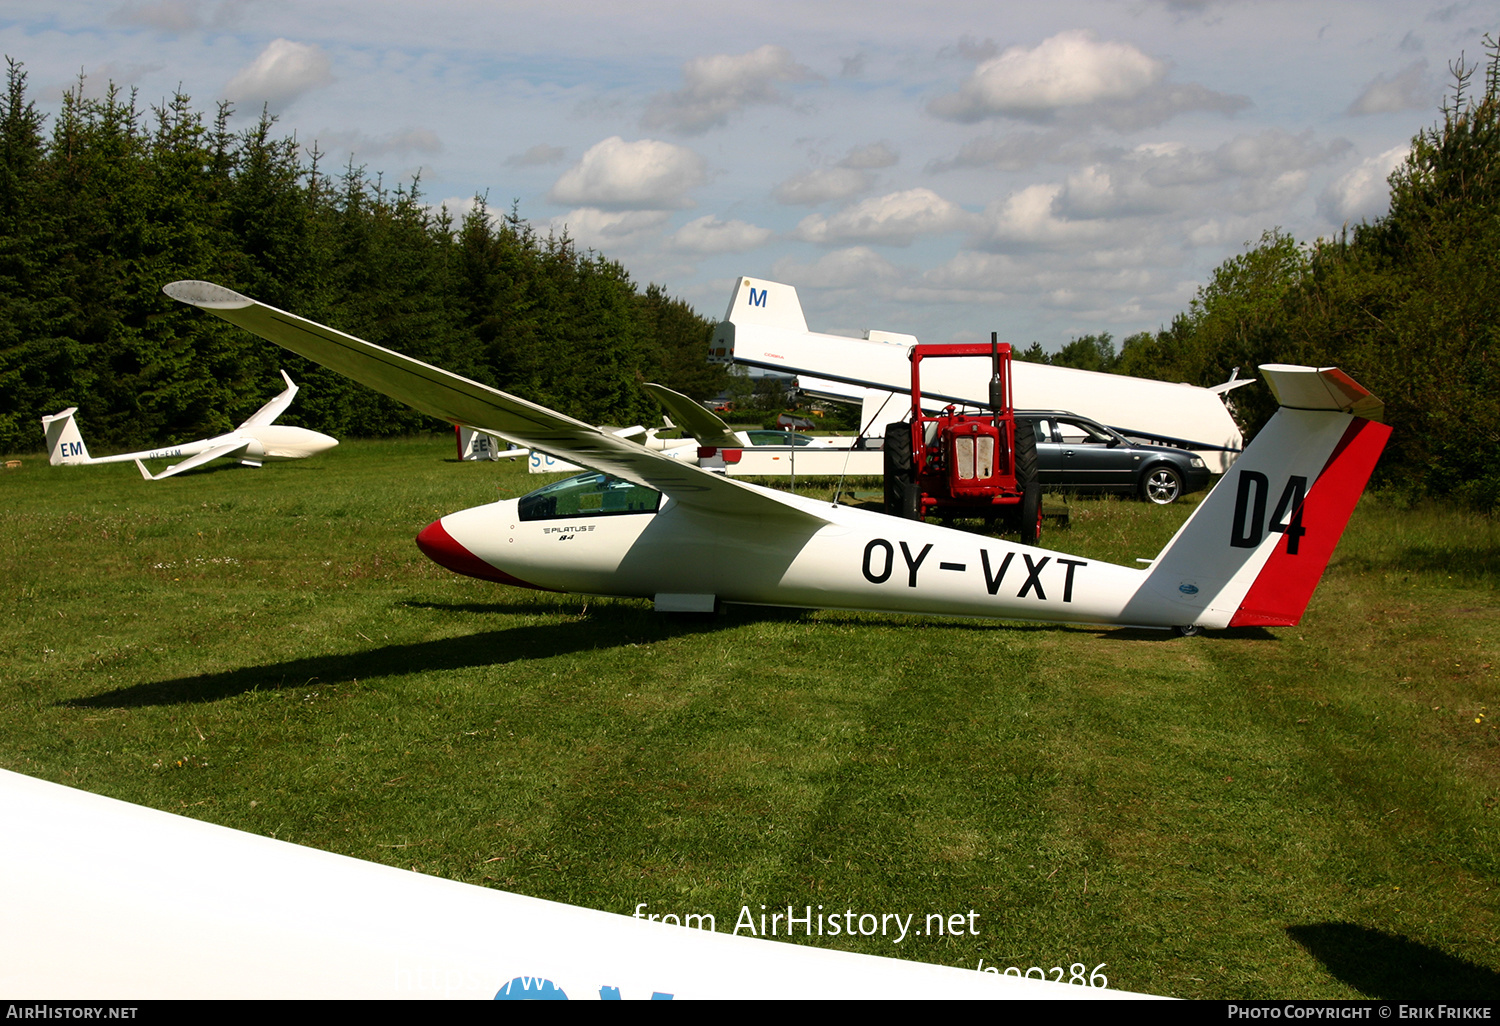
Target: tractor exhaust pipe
(997,387)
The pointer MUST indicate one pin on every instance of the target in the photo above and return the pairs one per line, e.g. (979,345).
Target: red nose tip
(440,547)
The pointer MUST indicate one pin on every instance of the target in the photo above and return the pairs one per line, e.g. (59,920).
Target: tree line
(109,202)
(1408,304)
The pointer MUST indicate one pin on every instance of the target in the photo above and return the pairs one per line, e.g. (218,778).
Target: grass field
(1296,812)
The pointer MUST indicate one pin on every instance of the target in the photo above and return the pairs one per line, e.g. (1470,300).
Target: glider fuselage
(858,560)
(262,444)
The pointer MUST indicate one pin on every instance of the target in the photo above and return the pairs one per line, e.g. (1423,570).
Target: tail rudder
(475,445)
(65,445)
(766,304)
(1254,550)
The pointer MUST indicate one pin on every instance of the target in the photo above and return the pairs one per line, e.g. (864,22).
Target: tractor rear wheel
(1029,521)
(902,497)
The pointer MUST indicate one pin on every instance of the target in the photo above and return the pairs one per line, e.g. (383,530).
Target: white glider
(764,327)
(650,526)
(255,441)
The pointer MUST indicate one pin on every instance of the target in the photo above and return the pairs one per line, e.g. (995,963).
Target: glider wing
(459,400)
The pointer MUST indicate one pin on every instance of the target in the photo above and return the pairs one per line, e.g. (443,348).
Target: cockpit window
(587,495)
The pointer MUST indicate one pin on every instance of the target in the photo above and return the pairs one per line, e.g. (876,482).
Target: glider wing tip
(207,295)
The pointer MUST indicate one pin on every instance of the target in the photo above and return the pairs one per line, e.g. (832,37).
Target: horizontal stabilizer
(1321,388)
(702,424)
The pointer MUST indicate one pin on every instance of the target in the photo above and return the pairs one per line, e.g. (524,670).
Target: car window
(769,437)
(1076,432)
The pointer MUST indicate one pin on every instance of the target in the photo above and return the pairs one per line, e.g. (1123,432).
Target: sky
(944,169)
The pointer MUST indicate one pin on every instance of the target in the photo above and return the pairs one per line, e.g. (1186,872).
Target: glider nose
(446,551)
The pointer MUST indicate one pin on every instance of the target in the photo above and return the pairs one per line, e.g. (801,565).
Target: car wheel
(1161,485)
(902,497)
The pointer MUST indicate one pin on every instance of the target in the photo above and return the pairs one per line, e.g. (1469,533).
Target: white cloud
(591,228)
(840,269)
(1267,193)
(1249,172)
(1075,78)
(1159,104)
(1014,151)
(1069,69)
(460,206)
(895,219)
(1275,151)
(165,15)
(1028,218)
(714,88)
(642,175)
(1407,89)
(283,71)
(710,235)
(1362,193)
(845,180)
(821,185)
(536,156)
(102,76)
(876,155)
(407,140)
(1112,289)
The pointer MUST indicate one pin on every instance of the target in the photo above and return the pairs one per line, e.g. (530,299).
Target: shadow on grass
(1473,561)
(621,612)
(1148,634)
(489,648)
(735,614)
(1386,967)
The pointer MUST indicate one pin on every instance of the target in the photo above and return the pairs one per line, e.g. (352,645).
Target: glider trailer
(961,463)
(645,525)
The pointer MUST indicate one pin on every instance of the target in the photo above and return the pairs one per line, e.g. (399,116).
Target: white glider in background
(649,526)
(713,444)
(254,442)
(765,327)
(474,444)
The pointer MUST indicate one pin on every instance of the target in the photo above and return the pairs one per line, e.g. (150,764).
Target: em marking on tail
(65,445)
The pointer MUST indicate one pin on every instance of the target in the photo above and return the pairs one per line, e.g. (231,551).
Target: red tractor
(965,464)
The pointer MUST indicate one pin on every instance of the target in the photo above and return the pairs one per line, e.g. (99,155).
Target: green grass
(1298,812)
